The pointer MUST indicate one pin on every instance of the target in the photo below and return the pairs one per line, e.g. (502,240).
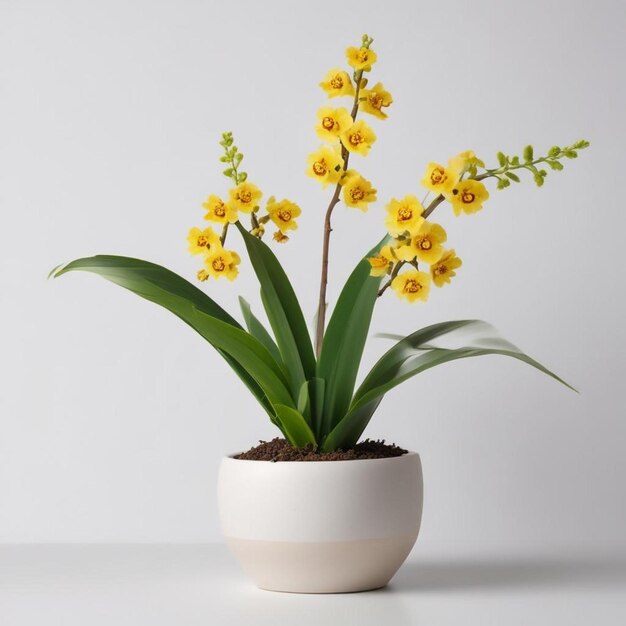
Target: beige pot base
(329,567)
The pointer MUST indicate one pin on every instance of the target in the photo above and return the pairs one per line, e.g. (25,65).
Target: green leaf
(410,356)
(294,426)
(344,340)
(283,311)
(256,329)
(247,356)
(501,159)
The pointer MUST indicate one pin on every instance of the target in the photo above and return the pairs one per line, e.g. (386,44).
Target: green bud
(570,154)
(528,154)
(583,143)
(502,160)
(513,176)
(554,151)
(538,179)
(228,172)
(242,177)
(555,165)
(224,159)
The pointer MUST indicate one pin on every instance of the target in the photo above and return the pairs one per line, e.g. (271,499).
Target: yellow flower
(337,83)
(218,211)
(332,122)
(244,197)
(283,214)
(464,160)
(202,240)
(425,244)
(405,214)
(439,179)
(280,237)
(361,58)
(468,196)
(325,165)
(412,285)
(373,100)
(357,192)
(222,263)
(443,270)
(202,275)
(358,138)
(382,262)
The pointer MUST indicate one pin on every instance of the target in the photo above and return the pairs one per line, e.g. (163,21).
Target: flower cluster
(243,199)
(415,240)
(342,133)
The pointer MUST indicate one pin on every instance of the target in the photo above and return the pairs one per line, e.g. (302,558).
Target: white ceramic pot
(321,526)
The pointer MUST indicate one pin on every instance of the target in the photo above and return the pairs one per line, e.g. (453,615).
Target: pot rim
(230,457)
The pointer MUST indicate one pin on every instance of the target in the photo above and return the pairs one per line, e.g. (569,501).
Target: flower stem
(321,307)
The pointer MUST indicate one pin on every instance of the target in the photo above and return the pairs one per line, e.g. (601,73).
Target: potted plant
(315,510)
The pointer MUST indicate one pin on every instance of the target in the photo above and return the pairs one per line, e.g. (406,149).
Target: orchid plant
(307,387)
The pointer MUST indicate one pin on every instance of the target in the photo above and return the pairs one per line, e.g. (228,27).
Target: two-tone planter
(321,526)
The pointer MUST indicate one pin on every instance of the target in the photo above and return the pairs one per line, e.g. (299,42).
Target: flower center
(328,123)
(244,196)
(424,243)
(362,55)
(284,216)
(219,210)
(404,214)
(438,176)
(376,101)
(319,168)
(467,197)
(412,286)
(218,264)
(202,241)
(357,194)
(440,270)
(336,82)
(356,138)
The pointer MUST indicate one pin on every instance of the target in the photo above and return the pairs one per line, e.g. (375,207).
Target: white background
(114,415)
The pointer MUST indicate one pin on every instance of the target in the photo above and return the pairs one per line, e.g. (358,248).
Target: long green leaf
(256,329)
(294,426)
(344,340)
(283,311)
(246,355)
(409,357)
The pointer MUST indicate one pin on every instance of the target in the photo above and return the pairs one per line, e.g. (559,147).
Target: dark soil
(281,450)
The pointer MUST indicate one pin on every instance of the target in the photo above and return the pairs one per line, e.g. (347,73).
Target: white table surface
(185,585)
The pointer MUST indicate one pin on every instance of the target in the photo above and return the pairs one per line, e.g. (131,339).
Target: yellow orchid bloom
(218,211)
(424,244)
(382,262)
(325,165)
(222,263)
(374,100)
(361,58)
(244,197)
(283,214)
(357,191)
(202,240)
(332,122)
(358,138)
(412,285)
(439,179)
(443,270)
(337,83)
(467,196)
(403,215)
